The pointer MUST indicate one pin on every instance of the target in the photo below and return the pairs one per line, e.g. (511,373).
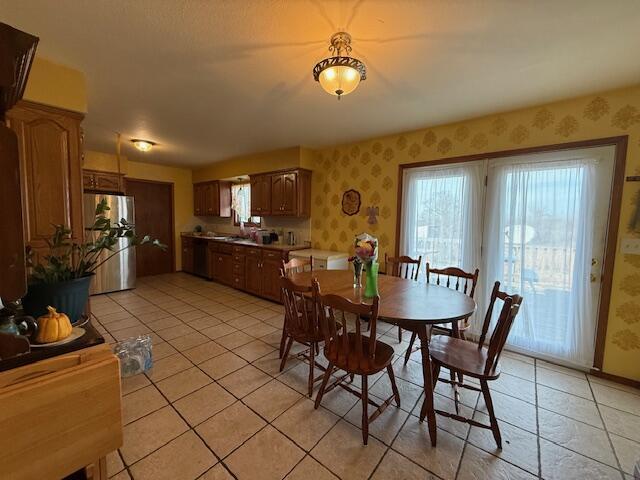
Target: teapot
(14,323)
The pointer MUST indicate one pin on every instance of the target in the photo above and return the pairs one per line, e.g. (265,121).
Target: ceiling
(209,80)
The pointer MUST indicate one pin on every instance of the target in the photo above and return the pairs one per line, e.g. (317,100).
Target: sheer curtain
(538,242)
(442,214)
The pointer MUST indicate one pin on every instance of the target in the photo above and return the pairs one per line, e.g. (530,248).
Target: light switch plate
(630,246)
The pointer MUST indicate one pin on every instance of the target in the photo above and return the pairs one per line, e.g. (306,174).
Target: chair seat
(462,356)
(359,364)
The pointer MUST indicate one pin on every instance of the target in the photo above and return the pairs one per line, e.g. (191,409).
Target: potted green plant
(62,278)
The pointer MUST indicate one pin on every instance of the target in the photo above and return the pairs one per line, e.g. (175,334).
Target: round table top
(401,300)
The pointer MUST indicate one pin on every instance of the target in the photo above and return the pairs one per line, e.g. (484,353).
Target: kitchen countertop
(249,243)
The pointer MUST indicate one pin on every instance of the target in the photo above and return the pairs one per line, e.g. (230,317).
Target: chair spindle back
(403,266)
(336,331)
(465,282)
(298,317)
(510,308)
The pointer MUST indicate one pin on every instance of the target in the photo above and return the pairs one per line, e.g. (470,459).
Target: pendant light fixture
(340,74)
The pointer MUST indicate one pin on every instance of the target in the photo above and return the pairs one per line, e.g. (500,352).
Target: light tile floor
(215,405)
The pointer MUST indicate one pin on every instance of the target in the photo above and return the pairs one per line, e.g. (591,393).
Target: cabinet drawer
(238,269)
(319,264)
(238,281)
(238,249)
(225,248)
(272,255)
(187,241)
(238,258)
(254,252)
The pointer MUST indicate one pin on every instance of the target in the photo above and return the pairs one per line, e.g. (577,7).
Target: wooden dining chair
(353,352)
(477,361)
(301,325)
(295,265)
(457,279)
(402,267)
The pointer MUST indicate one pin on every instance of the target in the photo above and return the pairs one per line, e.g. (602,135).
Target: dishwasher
(200,257)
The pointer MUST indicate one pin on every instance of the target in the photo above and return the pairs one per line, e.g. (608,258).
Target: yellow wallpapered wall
(372,168)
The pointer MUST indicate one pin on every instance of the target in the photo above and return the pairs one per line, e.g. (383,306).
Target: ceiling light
(142,145)
(340,75)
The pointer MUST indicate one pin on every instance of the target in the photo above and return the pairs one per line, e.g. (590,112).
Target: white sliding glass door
(538,227)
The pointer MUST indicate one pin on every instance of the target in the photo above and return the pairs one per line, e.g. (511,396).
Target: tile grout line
(615,454)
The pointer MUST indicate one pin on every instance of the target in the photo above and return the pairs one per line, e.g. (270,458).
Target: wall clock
(351,202)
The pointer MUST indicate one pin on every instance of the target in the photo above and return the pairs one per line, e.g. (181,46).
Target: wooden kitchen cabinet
(106,182)
(51,171)
(284,193)
(253,271)
(261,195)
(187,255)
(212,199)
(222,268)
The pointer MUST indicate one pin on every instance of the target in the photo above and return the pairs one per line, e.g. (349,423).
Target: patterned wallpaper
(372,168)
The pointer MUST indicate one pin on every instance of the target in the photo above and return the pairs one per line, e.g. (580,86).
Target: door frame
(172,246)
(613,220)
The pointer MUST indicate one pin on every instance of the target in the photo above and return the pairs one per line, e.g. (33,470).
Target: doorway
(536,222)
(153,217)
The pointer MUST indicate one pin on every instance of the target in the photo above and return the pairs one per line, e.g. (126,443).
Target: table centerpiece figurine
(366,250)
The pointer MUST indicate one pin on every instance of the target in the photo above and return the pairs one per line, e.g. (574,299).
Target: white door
(538,227)
(544,239)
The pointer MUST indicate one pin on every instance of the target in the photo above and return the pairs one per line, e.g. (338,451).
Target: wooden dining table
(412,305)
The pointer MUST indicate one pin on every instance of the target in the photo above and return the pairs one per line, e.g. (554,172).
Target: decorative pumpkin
(53,327)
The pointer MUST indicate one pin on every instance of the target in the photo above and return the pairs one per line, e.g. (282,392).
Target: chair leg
(414,335)
(436,373)
(492,416)
(312,361)
(283,341)
(325,380)
(394,387)
(365,409)
(285,355)
(399,335)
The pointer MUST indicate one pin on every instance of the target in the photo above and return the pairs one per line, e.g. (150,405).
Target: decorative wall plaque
(351,202)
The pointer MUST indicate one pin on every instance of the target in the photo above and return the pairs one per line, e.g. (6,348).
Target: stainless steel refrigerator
(119,273)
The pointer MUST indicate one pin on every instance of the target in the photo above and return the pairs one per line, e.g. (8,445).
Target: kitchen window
(241,205)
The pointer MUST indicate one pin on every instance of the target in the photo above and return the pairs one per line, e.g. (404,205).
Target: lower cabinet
(252,269)
(187,255)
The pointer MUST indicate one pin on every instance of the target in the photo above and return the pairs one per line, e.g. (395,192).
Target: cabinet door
(198,196)
(212,198)
(271,280)
(253,275)
(289,194)
(187,255)
(49,146)
(277,194)
(255,196)
(107,182)
(88,181)
(265,195)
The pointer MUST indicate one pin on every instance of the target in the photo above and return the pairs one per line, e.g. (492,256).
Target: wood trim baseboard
(620,144)
(616,378)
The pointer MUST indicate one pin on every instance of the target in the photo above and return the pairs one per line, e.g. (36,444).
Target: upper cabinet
(50,165)
(103,182)
(212,199)
(261,195)
(286,193)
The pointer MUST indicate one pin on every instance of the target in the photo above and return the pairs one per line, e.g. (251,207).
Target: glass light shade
(143,145)
(339,79)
